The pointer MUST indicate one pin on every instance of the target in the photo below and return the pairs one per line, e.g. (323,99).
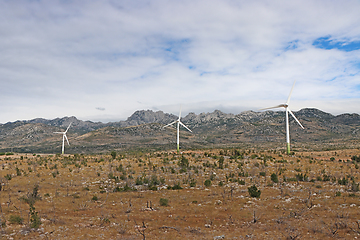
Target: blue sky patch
(173,48)
(292,45)
(328,43)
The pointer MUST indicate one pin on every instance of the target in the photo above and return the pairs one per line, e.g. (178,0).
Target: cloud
(61,58)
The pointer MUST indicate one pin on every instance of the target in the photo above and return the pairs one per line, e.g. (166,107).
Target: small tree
(254,192)
(30,199)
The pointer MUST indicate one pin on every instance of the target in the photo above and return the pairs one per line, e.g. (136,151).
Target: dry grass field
(200,194)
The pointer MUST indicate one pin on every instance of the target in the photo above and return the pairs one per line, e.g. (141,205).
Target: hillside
(144,129)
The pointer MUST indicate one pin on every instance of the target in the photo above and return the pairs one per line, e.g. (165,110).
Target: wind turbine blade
(68,128)
(184,126)
(67,139)
(278,106)
(295,118)
(59,132)
(288,100)
(170,124)
(180,113)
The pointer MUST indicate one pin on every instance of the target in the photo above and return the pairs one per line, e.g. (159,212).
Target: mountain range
(144,129)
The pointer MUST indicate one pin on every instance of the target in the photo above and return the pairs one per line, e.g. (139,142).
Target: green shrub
(176,187)
(343,181)
(207,183)
(35,221)
(164,202)
(15,219)
(274,178)
(193,183)
(94,198)
(241,182)
(254,192)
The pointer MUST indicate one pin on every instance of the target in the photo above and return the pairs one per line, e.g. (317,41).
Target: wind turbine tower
(64,137)
(287,111)
(178,123)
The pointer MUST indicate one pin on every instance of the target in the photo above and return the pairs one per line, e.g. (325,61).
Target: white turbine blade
(278,106)
(170,123)
(184,126)
(180,113)
(67,139)
(68,128)
(288,100)
(295,118)
(59,132)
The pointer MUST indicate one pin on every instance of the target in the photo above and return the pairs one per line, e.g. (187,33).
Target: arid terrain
(199,194)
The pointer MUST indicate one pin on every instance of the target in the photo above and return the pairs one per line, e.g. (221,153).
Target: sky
(102,60)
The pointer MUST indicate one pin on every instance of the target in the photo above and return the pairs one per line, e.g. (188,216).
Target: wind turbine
(64,137)
(287,111)
(178,123)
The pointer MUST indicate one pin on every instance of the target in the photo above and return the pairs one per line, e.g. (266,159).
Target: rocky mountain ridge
(215,128)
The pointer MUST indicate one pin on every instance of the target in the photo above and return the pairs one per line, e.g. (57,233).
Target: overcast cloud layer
(103,60)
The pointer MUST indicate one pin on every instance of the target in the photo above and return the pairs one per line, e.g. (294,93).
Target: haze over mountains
(144,129)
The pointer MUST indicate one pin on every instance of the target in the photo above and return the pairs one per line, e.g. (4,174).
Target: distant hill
(144,129)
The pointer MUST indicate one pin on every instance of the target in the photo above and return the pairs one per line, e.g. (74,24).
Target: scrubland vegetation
(204,194)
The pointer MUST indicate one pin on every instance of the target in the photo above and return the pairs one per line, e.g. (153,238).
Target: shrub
(354,187)
(176,187)
(274,178)
(184,162)
(343,181)
(15,219)
(113,154)
(164,202)
(138,181)
(254,192)
(94,198)
(35,221)
(326,178)
(241,182)
(193,183)
(262,174)
(207,183)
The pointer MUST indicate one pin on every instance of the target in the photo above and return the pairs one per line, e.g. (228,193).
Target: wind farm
(187,120)
(226,160)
